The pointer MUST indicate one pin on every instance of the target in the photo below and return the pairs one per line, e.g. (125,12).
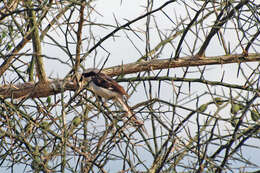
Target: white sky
(123,51)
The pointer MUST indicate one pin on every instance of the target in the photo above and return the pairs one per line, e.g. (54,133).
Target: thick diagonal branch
(189,61)
(32,90)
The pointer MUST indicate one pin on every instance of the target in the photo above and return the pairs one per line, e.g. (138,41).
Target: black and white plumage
(106,87)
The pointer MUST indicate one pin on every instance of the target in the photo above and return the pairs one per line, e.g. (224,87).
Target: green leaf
(203,107)
(48,100)
(76,121)
(218,101)
(255,115)
(235,108)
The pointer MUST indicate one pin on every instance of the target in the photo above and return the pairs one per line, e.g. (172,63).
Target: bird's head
(87,74)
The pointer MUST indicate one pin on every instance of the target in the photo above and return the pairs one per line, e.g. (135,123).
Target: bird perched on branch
(106,87)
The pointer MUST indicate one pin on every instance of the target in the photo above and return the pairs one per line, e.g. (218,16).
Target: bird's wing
(107,82)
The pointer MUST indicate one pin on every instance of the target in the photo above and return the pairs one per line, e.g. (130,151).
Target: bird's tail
(131,115)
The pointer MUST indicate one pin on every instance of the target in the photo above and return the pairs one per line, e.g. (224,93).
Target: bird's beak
(83,78)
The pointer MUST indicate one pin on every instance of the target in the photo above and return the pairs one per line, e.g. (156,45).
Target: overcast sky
(123,51)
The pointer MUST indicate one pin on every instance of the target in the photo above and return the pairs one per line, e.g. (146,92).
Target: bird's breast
(103,92)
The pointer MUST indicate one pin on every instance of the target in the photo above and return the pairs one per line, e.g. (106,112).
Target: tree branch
(124,26)
(32,90)
(79,34)
(218,24)
(36,45)
(188,61)
(5,65)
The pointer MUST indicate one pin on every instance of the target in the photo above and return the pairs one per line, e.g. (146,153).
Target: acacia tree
(198,118)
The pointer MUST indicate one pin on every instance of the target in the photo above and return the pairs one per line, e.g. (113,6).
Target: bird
(105,87)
